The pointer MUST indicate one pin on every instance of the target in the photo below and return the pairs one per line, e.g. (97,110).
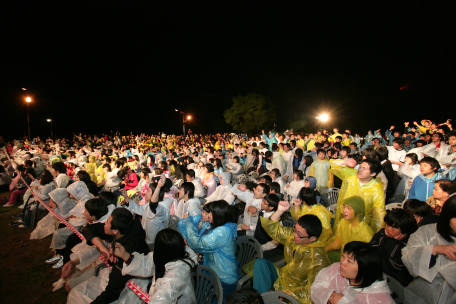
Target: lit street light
(322,117)
(183,118)
(50,120)
(28,100)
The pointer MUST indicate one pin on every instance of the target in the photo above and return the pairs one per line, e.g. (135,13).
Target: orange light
(189,117)
(28,99)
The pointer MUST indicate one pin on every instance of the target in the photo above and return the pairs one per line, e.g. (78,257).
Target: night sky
(95,68)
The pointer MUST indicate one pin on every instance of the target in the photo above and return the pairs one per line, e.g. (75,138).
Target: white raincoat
(249,217)
(222,192)
(199,190)
(174,287)
(151,222)
(278,162)
(429,283)
(295,187)
(191,207)
(329,280)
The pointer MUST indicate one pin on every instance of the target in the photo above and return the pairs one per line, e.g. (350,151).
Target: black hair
(370,267)
(268,154)
(221,213)
(237,159)
(250,185)
(417,207)
(2,169)
(274,147)
(84,176)
(267,179)
(346,149)
(413,157)
(30,171)
(398,140)
(439,134)
(374,165)
(190,173)
(96,207)
(122,220)
(299,174)
(218,163)
(146,171)
(299,152)
(443,223)
(46,178)
(163,165)
(169,246)
(274,186)
(312,224)
(399,218)
(308,196)
(107,166)
(209,167)
(189,189)
(59,167)
(447,185)
(382,153)
(432,162)
(273,201)
(245,296)
(420,142)
(321,151)
(265,187)
(118,163)
(452,133)
(276,172)
(337,146)
(369,152)
(109,197)
(207,207)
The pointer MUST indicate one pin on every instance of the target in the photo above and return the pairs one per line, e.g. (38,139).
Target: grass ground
(25,276)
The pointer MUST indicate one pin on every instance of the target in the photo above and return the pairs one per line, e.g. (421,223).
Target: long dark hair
(443,224)
(169,247)
(221,213)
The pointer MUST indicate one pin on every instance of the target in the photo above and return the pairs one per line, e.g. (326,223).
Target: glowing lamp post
(28,100)
(323,118)
(183,118)
(50,120)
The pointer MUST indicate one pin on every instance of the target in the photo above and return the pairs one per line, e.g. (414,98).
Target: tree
(250,113)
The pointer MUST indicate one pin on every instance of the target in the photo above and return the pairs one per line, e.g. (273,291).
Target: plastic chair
(173,221)
(333,209)
(289,222)
(394,206)
(330,196)
(272,297)
(396,288)
(248,249)
(207,286)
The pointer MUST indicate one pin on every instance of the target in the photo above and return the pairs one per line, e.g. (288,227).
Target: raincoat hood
(226,176)
(59,195)
(78,190)
(357,203)
(312,181)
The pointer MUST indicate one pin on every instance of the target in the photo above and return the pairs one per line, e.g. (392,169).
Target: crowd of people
(395,215)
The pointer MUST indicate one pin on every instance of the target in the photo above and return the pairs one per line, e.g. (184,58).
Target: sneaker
(23,226)
(16,223)
(59,265)
(54,259)
(59,284)
(8,205)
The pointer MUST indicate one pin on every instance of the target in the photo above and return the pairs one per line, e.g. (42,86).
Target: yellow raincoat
(346,231)
(320,169)
(320,211)
(90,168)
(372,193)
(304,262)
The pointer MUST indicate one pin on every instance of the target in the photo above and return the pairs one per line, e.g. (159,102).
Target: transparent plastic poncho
(320,211)
(320,169)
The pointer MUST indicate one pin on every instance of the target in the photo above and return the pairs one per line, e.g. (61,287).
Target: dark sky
(93,68)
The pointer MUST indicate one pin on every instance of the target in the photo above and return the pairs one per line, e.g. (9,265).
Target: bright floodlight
(176,110)
(48,120)
(28,99)
(324,117)
(189,117)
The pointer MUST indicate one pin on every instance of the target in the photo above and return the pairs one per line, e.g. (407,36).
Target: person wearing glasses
(304,254)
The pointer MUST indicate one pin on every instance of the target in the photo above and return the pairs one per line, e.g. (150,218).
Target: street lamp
(50,120)
(322,117)
(28,100)
(183,118)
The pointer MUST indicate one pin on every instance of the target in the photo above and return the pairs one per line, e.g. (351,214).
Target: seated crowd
(338,217)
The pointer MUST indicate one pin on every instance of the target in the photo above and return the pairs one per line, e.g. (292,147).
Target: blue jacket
(422,187)
(219,247)
(271,140)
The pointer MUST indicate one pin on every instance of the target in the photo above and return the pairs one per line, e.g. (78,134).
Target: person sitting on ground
(171,265)
(430,258)
(304,254)
(21,186)
(351,228)
(358,278)
(389,241)
(109,284)
(307,204)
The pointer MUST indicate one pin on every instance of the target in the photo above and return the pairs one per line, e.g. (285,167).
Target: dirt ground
(25,278)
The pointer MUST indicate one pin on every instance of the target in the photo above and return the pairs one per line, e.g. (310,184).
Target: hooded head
(357,204)
(226,178)
(312,182)
(59,195)
(78,190)
(92,159)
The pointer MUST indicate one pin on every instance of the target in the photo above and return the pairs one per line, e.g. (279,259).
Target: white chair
(273,297)
(394,206)
(333,209)
(173,221)
(396,288)
(248,249)
(330,196)
(207,286)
